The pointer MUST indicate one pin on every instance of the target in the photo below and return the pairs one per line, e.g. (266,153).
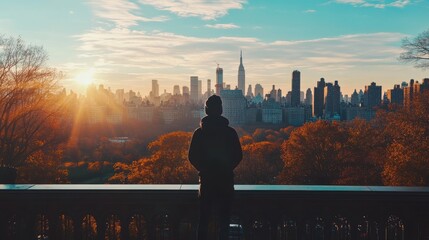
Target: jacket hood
(214,121)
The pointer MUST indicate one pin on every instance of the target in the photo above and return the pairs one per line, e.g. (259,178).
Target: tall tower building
(355,99)
(209,87)
(194,89)
(409,93)
(296,88)
(155,88)
(332,99)
(319,98)
(259,90)
(249,91)
(200,90)
(396,95)
(308,97)
(176,90)
(372,95)
(219,80)
(241,74)
(185,91)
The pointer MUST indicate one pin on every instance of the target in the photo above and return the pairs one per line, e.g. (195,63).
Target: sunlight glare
(85,78)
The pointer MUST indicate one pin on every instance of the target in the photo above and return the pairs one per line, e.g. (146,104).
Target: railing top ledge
(194,187)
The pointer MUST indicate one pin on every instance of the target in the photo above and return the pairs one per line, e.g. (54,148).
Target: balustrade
(169,212)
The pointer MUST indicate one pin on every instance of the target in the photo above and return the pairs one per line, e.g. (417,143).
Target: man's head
(213,106)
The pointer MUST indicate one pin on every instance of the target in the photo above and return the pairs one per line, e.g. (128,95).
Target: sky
(127,43)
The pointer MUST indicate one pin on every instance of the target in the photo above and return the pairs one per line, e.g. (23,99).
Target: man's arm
(194,154)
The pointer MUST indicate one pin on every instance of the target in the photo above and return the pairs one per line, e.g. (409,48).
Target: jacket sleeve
(237,152)
(195,154)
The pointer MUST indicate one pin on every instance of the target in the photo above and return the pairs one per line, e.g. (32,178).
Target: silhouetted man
(215,151)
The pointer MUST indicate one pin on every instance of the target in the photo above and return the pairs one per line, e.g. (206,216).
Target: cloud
(310,11)
(205,9)
(222,26)
(121,12)
(179,56)
(376,3)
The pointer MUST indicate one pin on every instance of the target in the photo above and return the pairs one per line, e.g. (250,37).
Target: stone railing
(170,212)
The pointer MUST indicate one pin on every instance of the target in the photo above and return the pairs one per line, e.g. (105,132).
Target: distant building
(219,80)
(355,99)
(259,90)
(279,95)
(273,93)
(319,99)
(234,106)
(396,95)
(332,99)
(372,95)
(241,75)
(295,116)
(251,115)
(296,89)
(155,88)
(271,111)
(359,112)
(409,93)
(194,89)
(176,90)
(209,88)
(249,93)
(200,90)
(308,97)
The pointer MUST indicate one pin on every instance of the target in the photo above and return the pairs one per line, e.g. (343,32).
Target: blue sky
(127,43)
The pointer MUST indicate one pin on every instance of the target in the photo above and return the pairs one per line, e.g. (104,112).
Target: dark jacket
(215,151)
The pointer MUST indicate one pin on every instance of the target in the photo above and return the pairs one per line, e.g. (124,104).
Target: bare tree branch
(416,50)
(29,103)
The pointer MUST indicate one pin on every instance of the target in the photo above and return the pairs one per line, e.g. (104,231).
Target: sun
(85,78)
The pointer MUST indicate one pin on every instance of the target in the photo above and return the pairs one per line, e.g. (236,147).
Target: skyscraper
(308,97)
(249,91)
(259,90)
(332,99)
(155,88)
(319,98)
(372,95)
(396,95)
(209,88)
(234,106)
(200,90)
(296,88)
(355,99)
(219,80)
(241,75)
(176,90)
(194,89)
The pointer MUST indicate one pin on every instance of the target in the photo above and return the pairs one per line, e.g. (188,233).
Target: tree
(260,165)
(30,108)
(407,161)
(416,50)
(168,163)
(313,154)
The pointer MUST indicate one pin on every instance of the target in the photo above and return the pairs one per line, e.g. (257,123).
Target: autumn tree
(363,154)
(48,160)
(416,50)
(30,108)
(313,153)
(168,163)
(407,161)
(260,165)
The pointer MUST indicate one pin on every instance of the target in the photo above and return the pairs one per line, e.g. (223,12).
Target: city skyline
(129,43)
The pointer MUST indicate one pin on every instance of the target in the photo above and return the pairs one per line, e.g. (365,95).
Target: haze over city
(126,44)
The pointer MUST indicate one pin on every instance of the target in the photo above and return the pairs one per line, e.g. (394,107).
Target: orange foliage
(168,163)
(260,165)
